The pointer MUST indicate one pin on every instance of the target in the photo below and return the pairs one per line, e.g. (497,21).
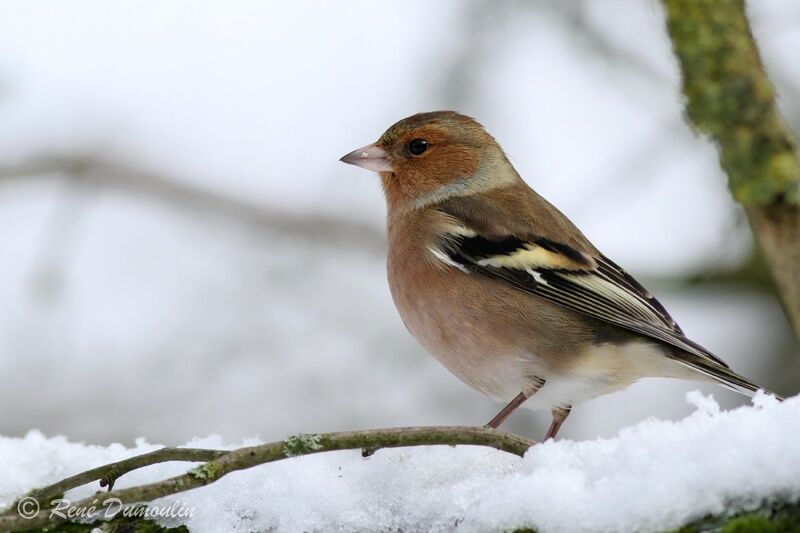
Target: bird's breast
(474,327)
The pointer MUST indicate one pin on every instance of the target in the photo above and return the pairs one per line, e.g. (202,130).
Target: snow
(652,476)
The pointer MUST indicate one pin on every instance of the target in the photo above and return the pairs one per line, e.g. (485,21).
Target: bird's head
(429,157)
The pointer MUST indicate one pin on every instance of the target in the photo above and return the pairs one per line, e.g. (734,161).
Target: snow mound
(653,476)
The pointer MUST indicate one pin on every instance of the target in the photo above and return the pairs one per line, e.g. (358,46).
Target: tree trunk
(730,98)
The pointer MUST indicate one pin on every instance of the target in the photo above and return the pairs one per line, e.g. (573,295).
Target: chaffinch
(503,289)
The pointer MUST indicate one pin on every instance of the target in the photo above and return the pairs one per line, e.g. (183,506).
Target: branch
(730,98)
(87,171)
(108,474)
(252,456)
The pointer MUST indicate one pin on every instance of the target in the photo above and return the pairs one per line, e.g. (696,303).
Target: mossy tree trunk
(730,98)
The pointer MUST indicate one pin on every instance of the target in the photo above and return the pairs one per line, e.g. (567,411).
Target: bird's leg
(518,400)
(559,415)
(507,410)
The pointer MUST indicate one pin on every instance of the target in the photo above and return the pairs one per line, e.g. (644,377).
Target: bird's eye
(417,146)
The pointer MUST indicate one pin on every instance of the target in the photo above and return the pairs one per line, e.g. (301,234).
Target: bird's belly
(603,369)
(501,348)
(459,343)
(474,335)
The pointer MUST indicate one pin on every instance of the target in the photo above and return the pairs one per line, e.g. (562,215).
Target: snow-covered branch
(714,469)
(219,463)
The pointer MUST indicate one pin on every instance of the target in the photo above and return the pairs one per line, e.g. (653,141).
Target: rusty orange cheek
(448,164)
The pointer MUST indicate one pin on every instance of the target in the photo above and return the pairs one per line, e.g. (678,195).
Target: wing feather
(593,286)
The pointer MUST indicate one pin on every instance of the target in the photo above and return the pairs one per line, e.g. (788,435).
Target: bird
(503,289)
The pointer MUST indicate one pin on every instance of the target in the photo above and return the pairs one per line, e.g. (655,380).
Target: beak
(372,157)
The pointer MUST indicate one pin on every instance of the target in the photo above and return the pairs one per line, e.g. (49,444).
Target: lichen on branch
(730,98)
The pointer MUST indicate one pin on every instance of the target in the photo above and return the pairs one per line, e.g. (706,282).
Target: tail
(731,380)
(713,367)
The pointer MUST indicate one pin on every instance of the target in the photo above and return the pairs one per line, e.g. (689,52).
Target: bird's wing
(590,284)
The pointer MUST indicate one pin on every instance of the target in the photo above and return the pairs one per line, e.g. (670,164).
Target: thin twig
(108,474)
(256,455)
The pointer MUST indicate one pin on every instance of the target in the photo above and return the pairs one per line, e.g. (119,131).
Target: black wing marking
(593,286)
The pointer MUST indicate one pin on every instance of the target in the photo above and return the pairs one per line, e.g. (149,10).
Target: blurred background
(182,254)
